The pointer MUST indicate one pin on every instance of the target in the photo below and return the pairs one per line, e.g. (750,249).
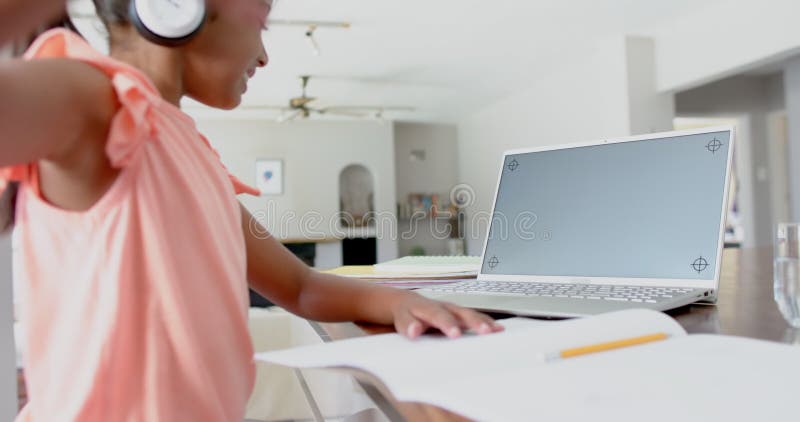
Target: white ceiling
(444,57)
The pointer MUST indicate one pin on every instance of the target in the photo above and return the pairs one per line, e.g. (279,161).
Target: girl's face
(226,53)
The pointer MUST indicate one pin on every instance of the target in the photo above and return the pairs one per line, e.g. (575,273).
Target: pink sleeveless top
(135,310)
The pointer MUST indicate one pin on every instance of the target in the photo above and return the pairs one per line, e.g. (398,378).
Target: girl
(133,248)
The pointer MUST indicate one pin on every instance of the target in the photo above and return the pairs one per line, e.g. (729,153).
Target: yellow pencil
(611,345)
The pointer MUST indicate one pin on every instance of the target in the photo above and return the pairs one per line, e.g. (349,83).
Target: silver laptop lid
(642,210)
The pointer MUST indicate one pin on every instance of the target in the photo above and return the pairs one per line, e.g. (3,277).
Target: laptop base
(553,307)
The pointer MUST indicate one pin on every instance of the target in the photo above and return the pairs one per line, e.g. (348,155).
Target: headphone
(170,23)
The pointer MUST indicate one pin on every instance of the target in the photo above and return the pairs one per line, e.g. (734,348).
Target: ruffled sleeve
(131,126)
(238,186)
(242,188)
(12,174)
(5,177)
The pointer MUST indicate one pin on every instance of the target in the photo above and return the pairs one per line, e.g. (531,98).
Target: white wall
(724,38)
(792,85)
(437,174)
(586,98)
(750,99)
(314,153)
(778,135)
(8,366)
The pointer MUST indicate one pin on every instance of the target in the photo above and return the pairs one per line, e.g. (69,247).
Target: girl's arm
(277,274)
(18,18)
(47,108)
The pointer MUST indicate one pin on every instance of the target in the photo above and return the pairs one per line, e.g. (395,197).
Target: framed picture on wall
(269,176)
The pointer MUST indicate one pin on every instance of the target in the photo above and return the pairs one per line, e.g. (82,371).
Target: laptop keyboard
(639,294)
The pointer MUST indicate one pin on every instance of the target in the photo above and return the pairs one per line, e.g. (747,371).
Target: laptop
(602,226)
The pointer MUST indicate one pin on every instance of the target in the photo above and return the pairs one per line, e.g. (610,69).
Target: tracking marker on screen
(714,145)
(513,165)
(700,264)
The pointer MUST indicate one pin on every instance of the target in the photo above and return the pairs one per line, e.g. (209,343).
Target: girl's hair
(111,12)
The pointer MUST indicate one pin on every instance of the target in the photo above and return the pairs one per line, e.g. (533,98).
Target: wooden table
(745,308)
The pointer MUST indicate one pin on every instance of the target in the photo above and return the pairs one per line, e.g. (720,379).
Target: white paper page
(691,378)
(409,368)
(456,275)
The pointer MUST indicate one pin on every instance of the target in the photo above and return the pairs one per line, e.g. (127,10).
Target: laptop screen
(640,209)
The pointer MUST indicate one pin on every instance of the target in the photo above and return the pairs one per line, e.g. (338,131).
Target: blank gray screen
(641,209)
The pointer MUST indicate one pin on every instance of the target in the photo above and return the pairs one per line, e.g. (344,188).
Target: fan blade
(372,108)
(264,107)
(287,118)
(336,112)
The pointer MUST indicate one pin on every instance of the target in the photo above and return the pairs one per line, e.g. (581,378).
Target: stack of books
(414,272)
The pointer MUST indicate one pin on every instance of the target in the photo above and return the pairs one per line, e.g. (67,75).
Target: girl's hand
(414,314)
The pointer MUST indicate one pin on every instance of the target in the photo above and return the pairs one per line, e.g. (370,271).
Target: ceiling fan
(311,29)
(300,108)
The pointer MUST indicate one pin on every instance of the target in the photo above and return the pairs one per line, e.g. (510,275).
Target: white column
(649,110)
(8,360)
(792,87)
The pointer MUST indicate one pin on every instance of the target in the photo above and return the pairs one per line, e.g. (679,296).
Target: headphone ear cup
(163,30)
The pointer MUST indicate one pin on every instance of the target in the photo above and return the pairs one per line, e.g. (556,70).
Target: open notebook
(431,265)
(508,377)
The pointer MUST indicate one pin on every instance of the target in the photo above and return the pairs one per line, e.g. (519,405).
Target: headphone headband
(168,22)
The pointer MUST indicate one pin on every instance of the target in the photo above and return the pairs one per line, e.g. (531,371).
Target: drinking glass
(787,272)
